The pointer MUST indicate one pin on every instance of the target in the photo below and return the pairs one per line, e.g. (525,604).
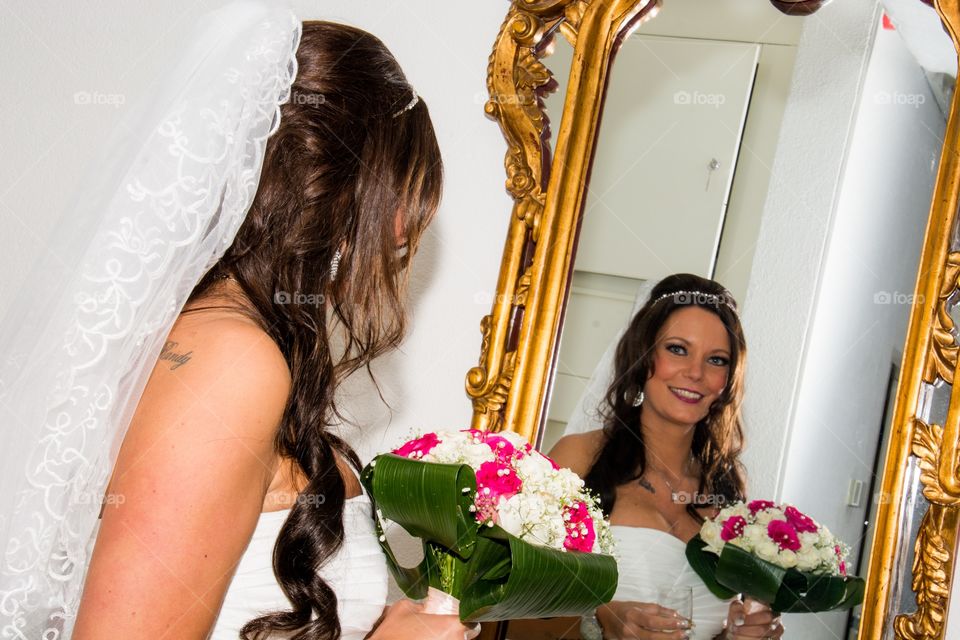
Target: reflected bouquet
(505,531)
(775,554)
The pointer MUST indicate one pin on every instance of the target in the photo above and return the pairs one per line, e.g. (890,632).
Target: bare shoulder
(202,340)
(199,453)
(577,451)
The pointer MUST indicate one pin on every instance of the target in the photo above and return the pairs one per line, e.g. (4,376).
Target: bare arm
(192,473)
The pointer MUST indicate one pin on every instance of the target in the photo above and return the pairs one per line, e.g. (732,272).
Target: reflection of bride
(667,455)
(194,301)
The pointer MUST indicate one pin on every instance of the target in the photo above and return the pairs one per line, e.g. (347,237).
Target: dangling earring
(639,399)
(335,265)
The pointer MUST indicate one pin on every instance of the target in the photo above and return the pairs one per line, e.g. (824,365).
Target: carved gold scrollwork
(928,441)
(932,566)
(942,358)
(934,548)
(519,334)
(517,81)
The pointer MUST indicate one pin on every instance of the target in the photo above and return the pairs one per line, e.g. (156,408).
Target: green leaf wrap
(431,501)
(541,583)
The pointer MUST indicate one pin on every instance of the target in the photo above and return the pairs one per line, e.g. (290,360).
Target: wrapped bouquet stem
(505,532)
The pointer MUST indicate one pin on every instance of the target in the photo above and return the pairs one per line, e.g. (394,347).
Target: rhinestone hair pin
(410,105)
(700,298)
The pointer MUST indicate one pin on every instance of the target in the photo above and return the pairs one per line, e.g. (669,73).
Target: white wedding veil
(84,333)
(586,415)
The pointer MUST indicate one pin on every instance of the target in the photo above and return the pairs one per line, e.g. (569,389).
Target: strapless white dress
(357,573)
(652,558)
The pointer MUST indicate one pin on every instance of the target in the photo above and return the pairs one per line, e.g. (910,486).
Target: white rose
(549,532)
(476,454)
(570,483)
(808,539)
(534,466)
(514,438)
(740,509)
(508,513)
(807,560)
(445,452)
(767,550)
(765,517)
(710,532)
(755,533)
(787,559)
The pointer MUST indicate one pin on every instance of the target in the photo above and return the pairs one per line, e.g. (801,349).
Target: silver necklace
(673,491)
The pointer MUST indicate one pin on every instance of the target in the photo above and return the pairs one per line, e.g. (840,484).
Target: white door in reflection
(669,140)
(667,149)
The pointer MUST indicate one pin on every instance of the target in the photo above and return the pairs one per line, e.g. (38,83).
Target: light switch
(854,492)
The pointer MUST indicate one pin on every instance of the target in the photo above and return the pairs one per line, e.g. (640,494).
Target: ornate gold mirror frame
(510,386)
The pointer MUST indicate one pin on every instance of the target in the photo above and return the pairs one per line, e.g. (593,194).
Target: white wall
(52,50)
(797,217)
(856,279)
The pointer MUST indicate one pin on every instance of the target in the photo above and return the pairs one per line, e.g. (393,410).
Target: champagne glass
(675,597)
(678,598)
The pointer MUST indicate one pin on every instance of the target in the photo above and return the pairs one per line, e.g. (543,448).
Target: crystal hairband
(698,297)
(410,105)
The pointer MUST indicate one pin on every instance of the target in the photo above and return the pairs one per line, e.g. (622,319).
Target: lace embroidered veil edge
(81,338)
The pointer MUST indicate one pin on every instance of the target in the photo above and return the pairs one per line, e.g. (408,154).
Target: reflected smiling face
(691,365)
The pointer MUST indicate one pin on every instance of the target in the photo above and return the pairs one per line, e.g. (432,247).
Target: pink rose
(501,447)
(843,565)
(800,521)
(580,532)
(553,464)
(783,533)
(419,447)
(732,528)
(496,479)
(759,505)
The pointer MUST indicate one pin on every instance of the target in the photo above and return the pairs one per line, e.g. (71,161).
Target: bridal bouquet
(504,530)
(774,554)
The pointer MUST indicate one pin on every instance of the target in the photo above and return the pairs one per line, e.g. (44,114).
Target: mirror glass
(688,172)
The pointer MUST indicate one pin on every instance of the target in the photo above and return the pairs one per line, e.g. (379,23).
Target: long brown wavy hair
(349,157)
(717,439)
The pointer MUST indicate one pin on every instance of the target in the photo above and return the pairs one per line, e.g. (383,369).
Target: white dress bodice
(652,558)
(357,573)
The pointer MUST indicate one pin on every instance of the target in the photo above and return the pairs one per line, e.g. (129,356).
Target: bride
(666,458)
(232,508)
